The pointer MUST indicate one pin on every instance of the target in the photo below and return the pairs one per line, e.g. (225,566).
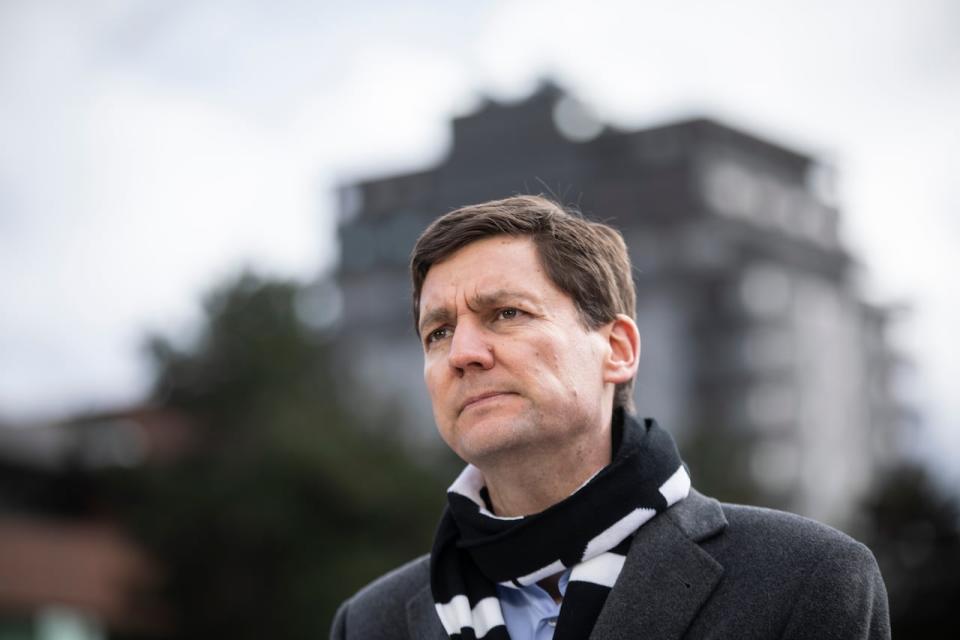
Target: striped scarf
(590,531)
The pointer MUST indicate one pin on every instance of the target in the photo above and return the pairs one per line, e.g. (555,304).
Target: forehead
(499,262)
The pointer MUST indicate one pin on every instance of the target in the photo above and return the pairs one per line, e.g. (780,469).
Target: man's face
(507,361)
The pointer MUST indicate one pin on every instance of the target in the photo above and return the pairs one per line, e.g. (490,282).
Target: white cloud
(151,147)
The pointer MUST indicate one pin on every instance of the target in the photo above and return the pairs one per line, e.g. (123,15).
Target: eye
(508,313)
(437,334)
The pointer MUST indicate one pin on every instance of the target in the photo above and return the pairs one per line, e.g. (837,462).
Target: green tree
(913,528)
(288,504)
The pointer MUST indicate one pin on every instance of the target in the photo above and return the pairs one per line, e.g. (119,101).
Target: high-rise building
(758,350)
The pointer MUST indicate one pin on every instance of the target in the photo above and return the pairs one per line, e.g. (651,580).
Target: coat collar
(665,570)
(422,619)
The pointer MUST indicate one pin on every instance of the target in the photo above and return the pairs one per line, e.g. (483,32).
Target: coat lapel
(665,580)
(422,619)
(666,577)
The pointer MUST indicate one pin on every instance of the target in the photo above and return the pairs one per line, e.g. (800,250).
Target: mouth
(481,398)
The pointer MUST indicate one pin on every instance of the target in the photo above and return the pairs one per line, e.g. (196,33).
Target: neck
(536,480)
(552,586)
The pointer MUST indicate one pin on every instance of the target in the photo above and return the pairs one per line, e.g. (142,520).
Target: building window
(766,291)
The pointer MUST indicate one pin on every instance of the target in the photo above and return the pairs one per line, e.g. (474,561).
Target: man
(573,519)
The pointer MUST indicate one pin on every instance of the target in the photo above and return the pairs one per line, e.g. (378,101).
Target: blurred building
(758,351)
(68,567)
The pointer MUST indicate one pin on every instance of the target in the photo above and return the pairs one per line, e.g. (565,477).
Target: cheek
(430,378)
(582,365)
(550,361)
(436,383)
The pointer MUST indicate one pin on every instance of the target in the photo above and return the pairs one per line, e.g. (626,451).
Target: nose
(469,348)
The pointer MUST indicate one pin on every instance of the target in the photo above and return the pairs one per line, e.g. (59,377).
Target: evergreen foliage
(287,505)
(913,528)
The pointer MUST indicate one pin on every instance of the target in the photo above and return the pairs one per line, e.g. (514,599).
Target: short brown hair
(586,260)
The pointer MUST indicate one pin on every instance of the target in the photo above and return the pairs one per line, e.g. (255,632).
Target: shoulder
(777,533)
(790,548)
(802,578)
(398,585)
(731,528)
(761,547)
(379,610)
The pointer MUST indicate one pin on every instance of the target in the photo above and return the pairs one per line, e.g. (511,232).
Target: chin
(485,440)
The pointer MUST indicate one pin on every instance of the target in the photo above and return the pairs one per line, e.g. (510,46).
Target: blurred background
(212,419)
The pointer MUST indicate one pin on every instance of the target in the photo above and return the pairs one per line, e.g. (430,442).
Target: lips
(481,397)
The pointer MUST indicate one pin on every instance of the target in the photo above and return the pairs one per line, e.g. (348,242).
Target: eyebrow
(438,315)
(499,297)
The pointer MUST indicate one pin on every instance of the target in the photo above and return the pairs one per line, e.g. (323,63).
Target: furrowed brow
(437,315)
(499,298)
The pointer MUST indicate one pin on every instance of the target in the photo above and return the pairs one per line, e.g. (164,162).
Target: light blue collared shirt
(531,613)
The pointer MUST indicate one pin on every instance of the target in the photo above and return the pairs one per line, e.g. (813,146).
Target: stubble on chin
(494,442)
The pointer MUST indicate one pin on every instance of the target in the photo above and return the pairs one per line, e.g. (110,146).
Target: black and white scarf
(591,531)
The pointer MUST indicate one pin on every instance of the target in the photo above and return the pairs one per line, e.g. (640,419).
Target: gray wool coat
(698,570)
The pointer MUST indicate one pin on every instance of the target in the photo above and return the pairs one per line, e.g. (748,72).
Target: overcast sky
(149,148)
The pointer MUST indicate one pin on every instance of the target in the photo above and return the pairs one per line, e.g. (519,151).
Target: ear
(623,358)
